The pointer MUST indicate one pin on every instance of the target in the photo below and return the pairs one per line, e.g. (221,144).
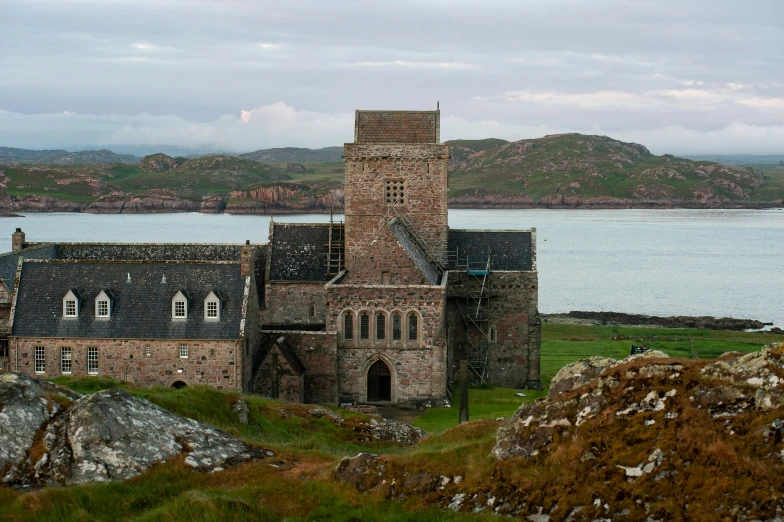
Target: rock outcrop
(50,435)
(648,437)
(159,201)
(157,163)
(679,321)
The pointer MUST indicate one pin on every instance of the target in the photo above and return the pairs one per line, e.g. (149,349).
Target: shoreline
(586,318)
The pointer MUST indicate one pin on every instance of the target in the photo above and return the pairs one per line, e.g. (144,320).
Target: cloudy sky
(679,76)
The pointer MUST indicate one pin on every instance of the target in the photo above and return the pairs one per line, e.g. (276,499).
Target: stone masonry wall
(317,351)
(514,358)
(418,368)
(289,303)
(252,336)
(370,246)
(291,387)
(397,127)
(210,363)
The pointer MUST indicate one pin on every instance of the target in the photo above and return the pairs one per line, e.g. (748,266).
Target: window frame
(211,299)
(395,192)
(381,327)
(397,329)
(66,350)
(348,326)
(184,349)
(179,299)
(413,327)
(39,355)
(364,326)
(69,298)
(92,360)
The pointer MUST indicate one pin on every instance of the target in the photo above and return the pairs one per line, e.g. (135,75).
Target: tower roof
(412,127)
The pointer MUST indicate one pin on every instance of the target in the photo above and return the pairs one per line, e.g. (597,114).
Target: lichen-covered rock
(26,404)
(157,163)
(389,430)
(241,410)
(758,372)
(109,435)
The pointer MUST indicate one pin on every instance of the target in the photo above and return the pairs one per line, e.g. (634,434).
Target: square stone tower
(396,168)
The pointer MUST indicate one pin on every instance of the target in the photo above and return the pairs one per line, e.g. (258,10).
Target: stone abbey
(381,307)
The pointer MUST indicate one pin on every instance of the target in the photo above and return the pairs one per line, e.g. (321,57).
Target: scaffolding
(475,312)
(435,253)
(336,247)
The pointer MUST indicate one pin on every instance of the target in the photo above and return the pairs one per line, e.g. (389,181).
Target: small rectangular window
(147,350)
(103,309)
(395,192)
(212,309)
(65,360)
(385,278)
(92,360)
(40,359)
(183,351)
(126,378)
(149,385)
(348,326)
(179,308)
(70,308)
(364,326)
(381,327)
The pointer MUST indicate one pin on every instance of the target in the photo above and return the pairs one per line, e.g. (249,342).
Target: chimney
(17,240)
(246,260)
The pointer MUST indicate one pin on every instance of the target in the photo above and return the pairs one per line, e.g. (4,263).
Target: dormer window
(71,304)
(212,307)
(180,306)
(103,305)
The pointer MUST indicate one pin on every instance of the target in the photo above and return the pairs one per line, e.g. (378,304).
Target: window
(364,326)
(492,334)
(103,305)
(149,385)
(212,307)
(413,330)
(180,306)
(396,330)
(65,359)
(40,359)
(126,378)
(395,192)
(313,310)
(71,304)
(92,361)
(381,327)
(348,326)
(147,350)
(183,351)
(385,278)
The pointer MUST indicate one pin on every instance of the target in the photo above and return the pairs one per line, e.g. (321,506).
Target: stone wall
(397,127)
(211,363)
(251,335)
(370,246)
(317,351)
(514,357)
(290,303)
(418,367)
(291,386)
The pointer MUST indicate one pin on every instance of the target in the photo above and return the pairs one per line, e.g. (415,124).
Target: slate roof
(141,309)
(509,249)
(9,262)
(298,252)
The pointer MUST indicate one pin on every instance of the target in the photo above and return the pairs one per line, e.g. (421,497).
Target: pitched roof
(141,309)
(508,249)
(298,252)
(9,262)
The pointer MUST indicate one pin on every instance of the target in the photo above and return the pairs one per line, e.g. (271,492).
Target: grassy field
(309,447)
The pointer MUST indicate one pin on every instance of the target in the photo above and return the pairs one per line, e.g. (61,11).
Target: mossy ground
(309,448)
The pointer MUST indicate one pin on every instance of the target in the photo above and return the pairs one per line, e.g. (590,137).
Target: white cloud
(406,64)
(279,125)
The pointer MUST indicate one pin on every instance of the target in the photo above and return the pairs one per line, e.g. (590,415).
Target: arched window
(364,326)
(313,310)
(413,327)
(381,327)
(348,326)
(396,328)
(492,334)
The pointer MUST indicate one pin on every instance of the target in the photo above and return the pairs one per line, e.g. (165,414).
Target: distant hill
(296,155)
(63,157)
(740,159)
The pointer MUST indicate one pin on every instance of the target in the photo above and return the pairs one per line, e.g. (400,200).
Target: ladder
(336,247)
(476,316)
(436,254)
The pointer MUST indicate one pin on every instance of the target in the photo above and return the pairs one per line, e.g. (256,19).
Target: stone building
(378,308)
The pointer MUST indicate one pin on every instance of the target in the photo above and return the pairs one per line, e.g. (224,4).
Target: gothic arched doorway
(379,382)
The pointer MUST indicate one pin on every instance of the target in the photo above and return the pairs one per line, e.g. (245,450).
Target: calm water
(661,262)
